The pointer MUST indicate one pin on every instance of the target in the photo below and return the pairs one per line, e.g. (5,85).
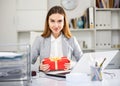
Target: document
(12,72)
(9,55)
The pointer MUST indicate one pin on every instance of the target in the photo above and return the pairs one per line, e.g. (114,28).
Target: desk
(53,81)
(107,80)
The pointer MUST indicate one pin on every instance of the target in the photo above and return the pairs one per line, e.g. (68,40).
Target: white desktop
(110,77)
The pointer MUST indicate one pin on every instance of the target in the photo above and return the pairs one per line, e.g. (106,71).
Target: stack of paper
(12,66)
(9,55)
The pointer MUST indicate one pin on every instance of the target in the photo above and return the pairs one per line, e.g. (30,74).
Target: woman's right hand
(44,67)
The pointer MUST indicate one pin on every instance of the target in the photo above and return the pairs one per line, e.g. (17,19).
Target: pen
(102,62)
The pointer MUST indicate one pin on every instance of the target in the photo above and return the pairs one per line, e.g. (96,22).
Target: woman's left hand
(67,66)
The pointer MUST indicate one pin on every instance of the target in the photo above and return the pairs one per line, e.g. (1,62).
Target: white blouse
(56,46)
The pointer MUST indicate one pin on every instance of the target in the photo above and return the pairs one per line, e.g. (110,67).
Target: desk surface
(43,80)
(53,81)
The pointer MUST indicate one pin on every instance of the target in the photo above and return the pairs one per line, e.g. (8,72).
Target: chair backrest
(33,35)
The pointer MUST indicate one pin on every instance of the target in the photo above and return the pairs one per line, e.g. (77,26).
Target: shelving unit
(107,28)
(108,31)
(85,37)
(105,35)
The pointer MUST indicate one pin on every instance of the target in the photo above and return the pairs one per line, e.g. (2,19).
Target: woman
(56,39)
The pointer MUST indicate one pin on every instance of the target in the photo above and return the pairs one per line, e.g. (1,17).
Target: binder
(90,13)
(107,3)
(97,4)
(103,3)
(116,3)
(74,21)
(111,3)
(85,19)
(103,22)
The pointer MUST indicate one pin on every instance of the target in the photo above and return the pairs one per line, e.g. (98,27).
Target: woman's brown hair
(66,31)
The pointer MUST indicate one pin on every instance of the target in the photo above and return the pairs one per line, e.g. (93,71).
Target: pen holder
(96,74)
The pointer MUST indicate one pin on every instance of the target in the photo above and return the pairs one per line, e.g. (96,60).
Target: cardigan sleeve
(35,50)
(77,52)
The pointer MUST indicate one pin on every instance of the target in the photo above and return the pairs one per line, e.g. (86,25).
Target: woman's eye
(52,21)
(60,21)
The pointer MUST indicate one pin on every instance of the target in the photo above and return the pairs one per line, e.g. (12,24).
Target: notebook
(87,60)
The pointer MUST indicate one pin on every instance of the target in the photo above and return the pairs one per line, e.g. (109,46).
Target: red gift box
(56,63)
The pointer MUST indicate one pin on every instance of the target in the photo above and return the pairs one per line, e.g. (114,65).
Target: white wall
(8,33)
(7,21)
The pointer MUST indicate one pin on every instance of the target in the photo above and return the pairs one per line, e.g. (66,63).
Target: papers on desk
(12,66)
(9,55)
(11,72)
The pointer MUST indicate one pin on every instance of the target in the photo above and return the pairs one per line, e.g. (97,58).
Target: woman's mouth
(56,29)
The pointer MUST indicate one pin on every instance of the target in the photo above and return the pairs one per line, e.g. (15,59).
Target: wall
(82,5)
(8,33)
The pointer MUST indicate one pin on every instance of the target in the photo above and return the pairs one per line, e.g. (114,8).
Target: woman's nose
(56,24)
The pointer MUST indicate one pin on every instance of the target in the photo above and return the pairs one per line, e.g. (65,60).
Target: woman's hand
(44,67)
(67,66)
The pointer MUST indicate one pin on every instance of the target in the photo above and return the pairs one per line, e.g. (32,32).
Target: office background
(18,18)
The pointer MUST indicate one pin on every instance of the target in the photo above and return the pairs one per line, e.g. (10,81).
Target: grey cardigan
(41,47)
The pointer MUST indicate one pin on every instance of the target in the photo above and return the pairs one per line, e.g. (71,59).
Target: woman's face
(56,23)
